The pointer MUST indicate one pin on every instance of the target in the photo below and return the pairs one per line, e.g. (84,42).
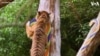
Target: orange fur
(30,29)
(38,33)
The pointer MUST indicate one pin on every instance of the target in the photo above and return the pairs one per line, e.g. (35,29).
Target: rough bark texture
(4,2)
(92,40)
(52,6)
(93,45)
(56,29)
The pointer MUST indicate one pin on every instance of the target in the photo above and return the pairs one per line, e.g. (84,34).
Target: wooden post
(53,7)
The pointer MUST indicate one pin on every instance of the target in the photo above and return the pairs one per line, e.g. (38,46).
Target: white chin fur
(28,23)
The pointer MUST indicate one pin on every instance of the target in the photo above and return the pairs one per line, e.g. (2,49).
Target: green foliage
(14,42)
(73,34)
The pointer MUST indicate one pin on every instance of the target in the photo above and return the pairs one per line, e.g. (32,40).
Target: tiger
(38,32)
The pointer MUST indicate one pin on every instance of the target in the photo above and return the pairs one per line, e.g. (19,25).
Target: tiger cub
(38,33)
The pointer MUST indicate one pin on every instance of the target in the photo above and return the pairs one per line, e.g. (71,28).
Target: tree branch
(23,8)
(4,2)
(11,25)
(77,16)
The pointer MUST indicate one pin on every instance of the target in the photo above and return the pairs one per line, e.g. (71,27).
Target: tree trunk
(52,6)
(4,2)
(92,40)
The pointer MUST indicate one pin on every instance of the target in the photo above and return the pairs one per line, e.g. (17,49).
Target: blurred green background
(75,16)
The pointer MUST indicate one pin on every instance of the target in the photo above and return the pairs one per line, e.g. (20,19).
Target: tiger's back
(39,38)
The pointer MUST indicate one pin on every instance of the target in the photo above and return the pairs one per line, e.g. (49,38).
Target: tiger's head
(43,16)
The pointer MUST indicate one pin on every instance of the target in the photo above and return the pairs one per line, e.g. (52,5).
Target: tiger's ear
(49,13)
(39,13)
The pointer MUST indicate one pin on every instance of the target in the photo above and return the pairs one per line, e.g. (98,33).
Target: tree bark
(52,7)
(92,40)
(4,2)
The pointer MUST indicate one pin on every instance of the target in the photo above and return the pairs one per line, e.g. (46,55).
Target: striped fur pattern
(39,38)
